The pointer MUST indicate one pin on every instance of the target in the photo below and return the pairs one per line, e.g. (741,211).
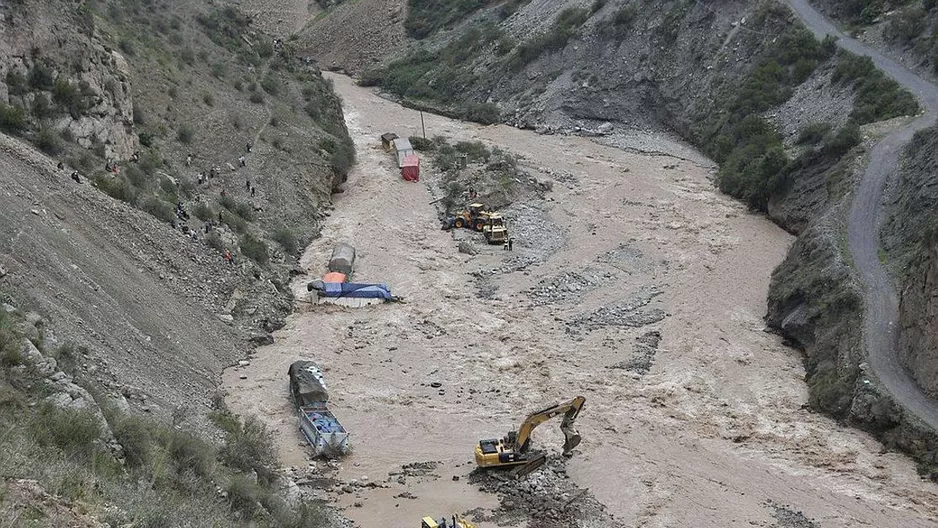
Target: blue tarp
(351,289)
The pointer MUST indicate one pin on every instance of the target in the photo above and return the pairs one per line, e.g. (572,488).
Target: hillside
(124,128)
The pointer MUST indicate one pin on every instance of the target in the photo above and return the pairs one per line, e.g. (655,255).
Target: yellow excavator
(456,522)
(514,448)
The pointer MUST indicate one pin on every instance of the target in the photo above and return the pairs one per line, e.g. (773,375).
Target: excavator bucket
(571,439)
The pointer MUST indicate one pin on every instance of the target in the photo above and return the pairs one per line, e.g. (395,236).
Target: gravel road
(865,221)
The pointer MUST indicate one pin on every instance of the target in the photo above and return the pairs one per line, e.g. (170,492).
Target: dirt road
(707,429)
(866,218)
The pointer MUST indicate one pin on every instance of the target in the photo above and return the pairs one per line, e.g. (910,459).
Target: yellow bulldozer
(455,522)
(489,223)
(514,448)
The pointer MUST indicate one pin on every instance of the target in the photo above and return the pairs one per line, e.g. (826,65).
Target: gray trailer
(343,259)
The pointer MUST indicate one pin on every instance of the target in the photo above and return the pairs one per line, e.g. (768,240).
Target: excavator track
(523,470)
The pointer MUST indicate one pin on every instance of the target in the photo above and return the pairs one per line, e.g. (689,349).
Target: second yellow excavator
(514,448)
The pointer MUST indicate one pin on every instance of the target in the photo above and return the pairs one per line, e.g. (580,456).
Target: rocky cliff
(72,83)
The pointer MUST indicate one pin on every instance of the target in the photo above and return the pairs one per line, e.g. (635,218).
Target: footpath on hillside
(633,283)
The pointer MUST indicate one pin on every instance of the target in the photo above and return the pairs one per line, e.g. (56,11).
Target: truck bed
(323,420)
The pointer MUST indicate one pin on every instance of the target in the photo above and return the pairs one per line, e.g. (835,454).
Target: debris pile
(643,356)
(629,313)
(566,287)
(547,497)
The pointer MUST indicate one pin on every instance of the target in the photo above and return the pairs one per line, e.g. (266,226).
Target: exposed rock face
(918,321)
(909,237)
(35,35)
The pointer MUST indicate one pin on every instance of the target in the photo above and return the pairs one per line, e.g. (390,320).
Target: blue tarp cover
(351,289)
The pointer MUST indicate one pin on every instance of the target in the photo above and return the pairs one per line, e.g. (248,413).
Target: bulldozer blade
(536,461)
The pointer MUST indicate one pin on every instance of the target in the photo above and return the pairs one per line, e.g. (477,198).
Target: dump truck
(321,428)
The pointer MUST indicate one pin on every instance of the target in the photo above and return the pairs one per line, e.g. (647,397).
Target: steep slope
(184,159)
(188,93)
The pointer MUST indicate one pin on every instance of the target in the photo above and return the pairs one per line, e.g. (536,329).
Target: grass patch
(254,249)
(563,29)
(185,134)
(877,96)
(286,238)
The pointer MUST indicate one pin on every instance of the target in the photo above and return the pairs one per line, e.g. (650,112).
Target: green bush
(69,98)
(185,134)
(116,187)
(877,96)
(73,431)
(256,97)
(16,83)
(203,211)
(270,85)
(250,448)
(189,453)
(254,249)
(67,356)
(244,496)
(214,241)
(343,157)
(845,139)
(906,25)
(484,113)
(755,168)
(476,151)
(422,144)
(48,141)
(234,221)
(813,133)
(564,27)
(136,176)
(219,70)
(135,435)
(11,350)
(41,106)
(424,17)
(40,77)
(225,421)
(160,209)
(12,118)
(286,238)
(618,24)
(242,209)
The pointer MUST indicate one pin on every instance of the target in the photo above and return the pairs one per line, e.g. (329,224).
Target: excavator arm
(570,410)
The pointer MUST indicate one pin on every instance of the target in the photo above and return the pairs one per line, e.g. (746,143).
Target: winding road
(866,216)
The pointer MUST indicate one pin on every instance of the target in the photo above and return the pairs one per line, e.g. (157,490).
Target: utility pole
(422,125)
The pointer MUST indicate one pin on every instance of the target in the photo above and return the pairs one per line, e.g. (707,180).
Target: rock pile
(631,313)
(569,286)
(547,498)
